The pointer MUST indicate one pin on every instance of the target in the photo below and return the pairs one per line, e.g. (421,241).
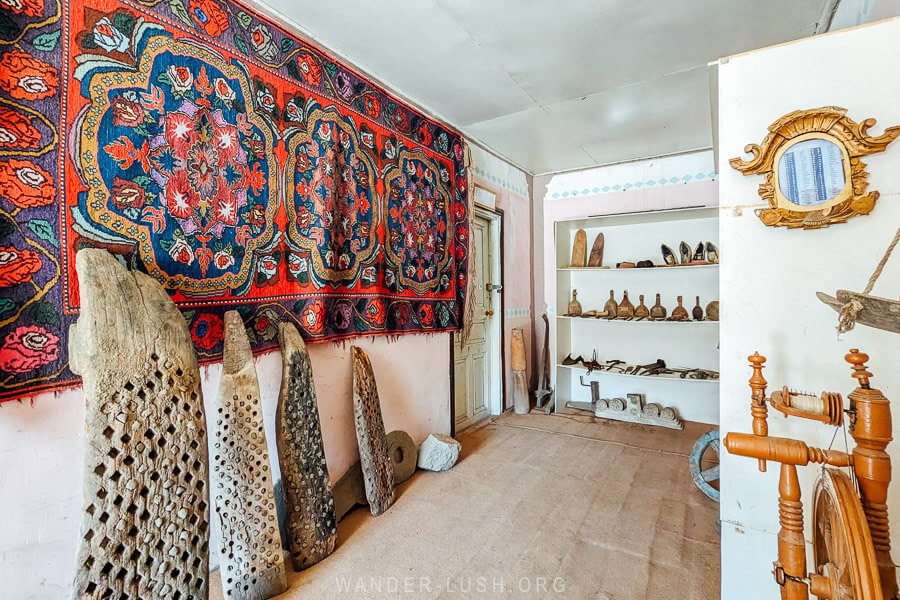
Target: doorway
(477,366)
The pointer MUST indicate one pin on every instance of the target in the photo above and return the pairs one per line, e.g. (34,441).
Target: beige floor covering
(538,506)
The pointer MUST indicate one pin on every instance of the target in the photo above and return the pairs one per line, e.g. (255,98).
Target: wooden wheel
(842,545)
(704,464)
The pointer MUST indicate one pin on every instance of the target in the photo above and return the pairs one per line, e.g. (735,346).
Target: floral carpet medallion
(177,166)
(238,165)
(332,214)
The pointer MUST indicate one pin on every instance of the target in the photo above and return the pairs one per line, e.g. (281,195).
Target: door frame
(497,403)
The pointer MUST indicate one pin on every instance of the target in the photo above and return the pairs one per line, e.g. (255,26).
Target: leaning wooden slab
(145,525)
(307,495)
(250,560)
(377,468)
(521,397)
(349,491)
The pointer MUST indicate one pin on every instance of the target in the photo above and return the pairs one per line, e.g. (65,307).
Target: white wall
(769,280)
(42,448)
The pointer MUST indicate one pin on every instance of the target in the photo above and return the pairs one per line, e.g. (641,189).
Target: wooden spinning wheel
(851,531)
(842,546)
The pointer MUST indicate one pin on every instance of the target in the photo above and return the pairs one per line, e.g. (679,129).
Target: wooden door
(473,381)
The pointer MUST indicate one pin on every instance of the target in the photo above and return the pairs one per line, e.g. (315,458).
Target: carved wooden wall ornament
(834,145)
(251,563)
(145,526)
(308,497)
(377,467)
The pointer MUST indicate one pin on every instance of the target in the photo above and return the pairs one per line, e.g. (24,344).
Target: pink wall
(42,447)
(518,277)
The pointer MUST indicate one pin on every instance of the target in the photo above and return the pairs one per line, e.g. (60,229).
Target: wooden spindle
(791,543)
(758,399)
(872,430)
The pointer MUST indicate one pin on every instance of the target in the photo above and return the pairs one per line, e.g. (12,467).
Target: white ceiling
(554,86)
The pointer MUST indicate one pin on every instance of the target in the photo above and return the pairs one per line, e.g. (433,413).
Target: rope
(850,310)
(880,266)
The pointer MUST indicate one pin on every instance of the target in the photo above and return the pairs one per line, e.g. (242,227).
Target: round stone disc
(404,455)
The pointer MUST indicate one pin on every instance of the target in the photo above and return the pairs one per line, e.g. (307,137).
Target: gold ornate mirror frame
(830,124)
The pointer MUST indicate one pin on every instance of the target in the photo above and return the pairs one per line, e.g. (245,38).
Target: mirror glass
(811,172)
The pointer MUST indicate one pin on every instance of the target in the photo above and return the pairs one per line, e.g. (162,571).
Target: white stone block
(438,452)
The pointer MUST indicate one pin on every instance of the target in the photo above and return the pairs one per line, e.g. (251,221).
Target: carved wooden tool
(579,249)
(596,258)
(657,311)
(145,525)
(611,308)
(544,393)
(378,472)
(574,308)
(697,311)
(625,310)
(521,399)
(641,311)
(251,564)
(308,497)
(680,313)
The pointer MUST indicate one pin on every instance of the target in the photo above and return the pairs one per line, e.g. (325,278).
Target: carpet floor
(563,506)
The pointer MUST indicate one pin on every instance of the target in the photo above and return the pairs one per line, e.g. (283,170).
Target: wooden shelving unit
(681,344)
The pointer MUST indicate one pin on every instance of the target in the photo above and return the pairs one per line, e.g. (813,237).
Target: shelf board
(673,377)
(651,269)
(641,322)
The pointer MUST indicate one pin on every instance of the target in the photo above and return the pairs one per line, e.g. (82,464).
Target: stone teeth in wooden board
(378,471)
(251,563)
(145,525)
(312,526)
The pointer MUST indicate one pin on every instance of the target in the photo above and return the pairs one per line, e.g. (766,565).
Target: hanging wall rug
(241,167)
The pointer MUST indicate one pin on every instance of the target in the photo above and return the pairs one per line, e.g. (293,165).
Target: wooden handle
(783,450)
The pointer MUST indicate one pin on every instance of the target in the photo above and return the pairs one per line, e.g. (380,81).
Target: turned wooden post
(872,430)
(791,543)
(758,400)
